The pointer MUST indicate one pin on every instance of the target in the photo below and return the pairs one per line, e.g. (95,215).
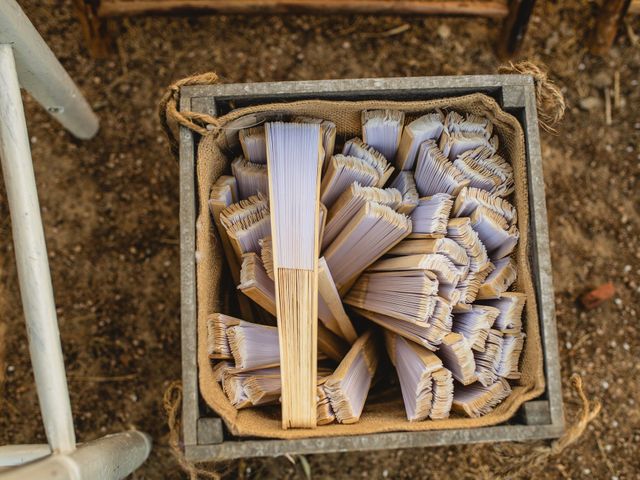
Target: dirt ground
(110,207)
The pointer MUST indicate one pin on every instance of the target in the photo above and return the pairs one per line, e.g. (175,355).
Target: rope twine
(549,99)
(172,401)
(529,463)
(168,110)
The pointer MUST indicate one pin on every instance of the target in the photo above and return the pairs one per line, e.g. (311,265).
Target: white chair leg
(12,455)
(114,456)
(108,458)
(42,75)
(32,261)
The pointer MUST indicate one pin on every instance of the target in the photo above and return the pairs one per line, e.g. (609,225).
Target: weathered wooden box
(205,437)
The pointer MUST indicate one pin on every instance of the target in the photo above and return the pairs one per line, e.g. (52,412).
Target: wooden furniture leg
(514,27)
(94,28)
(609,18)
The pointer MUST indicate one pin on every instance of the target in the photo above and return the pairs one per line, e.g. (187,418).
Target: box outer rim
(516,92)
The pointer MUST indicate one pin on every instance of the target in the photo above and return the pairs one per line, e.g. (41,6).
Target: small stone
(444,31)
(590,103)
(601,79)
(385,473)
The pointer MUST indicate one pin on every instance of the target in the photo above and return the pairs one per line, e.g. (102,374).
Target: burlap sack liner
(377,417)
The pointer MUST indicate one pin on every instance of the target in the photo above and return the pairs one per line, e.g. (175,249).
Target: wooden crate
(204,435)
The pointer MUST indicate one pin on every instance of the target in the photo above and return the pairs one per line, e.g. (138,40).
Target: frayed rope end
(172,401)
(517,464)
(549,99)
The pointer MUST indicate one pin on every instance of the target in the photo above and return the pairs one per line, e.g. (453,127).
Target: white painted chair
(25,59)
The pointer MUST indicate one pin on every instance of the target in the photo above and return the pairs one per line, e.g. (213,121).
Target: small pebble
(444,31)
(602,79)
(590,103)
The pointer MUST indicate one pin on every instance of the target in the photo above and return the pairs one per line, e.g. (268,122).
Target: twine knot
(168,109)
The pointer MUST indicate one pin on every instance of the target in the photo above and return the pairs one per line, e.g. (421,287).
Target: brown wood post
(514,27)
(609,18)
(94,29)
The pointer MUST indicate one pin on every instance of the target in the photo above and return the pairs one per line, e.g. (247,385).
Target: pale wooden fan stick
(224,193)
(329,293)
(294,159)
(256,284)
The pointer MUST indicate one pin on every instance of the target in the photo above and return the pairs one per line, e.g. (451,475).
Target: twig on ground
(99,379)
(388,33)
(607,107)
(617,100)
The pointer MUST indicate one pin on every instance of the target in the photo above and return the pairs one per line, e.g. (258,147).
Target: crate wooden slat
(205,437)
